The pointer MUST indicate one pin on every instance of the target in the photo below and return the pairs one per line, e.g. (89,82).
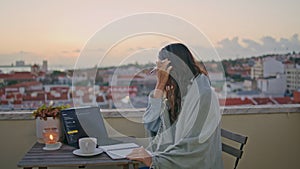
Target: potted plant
(48,117)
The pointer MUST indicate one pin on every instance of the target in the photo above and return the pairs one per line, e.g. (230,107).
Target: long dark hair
(173,86)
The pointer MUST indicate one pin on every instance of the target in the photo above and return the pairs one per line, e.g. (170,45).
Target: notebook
(119,151)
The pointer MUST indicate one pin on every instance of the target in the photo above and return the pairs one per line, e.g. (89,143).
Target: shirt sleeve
(151,117)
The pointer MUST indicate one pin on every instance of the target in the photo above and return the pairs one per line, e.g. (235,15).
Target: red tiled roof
(17,102)
(3,102)
(287,62)
(25,84)
(42,74)
(100,99)
(62,75)
(109,96)
(4,76)
(19,96)
(284,100)
(10,96)
(235,101)
(60,88)
(2,92)
(39,97)
(296,96)
(264,100)
(63,96)
(18,76)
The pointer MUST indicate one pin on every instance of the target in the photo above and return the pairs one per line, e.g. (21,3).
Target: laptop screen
(83,122)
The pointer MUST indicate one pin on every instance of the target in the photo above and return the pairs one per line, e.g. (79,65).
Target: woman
(183,113)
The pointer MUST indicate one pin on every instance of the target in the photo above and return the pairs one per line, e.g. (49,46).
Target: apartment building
(292,77)
(257,70)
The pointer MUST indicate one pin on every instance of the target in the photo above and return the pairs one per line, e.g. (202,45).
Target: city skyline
(58,31)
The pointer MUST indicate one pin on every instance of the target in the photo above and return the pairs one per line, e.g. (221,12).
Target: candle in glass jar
(51,139)
(50,135)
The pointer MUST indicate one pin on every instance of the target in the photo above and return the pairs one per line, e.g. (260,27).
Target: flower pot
(49,123)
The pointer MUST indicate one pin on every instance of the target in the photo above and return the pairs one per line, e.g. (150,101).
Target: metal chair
(236,152)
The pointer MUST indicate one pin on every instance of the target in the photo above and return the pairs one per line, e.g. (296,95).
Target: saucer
(56,146)
(79,153)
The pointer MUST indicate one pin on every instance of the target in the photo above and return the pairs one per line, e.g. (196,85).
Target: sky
(60,30)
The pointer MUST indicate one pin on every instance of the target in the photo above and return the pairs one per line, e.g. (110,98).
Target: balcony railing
(273,133)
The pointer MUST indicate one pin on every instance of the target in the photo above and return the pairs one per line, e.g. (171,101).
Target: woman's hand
(163,71)
(140,154)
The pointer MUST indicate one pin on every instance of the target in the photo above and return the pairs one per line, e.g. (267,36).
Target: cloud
(25,52)
(291,43)
(76,51)
(252,45)
(73,51)
(234,48)
(231,48)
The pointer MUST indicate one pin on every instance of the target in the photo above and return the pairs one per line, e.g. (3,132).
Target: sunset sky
(58,30)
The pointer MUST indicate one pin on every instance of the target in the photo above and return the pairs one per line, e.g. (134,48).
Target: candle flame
(51,137)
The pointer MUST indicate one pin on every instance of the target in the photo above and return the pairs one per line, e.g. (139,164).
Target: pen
(153,70)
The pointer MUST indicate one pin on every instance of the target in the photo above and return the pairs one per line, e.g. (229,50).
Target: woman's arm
(151,117)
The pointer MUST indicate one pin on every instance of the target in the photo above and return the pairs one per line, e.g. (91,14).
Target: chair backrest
(236,152)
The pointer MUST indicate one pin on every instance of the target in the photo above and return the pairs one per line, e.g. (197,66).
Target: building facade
(293,77)
(257,70)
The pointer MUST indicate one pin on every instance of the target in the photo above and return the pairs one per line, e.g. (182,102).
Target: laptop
(84,122)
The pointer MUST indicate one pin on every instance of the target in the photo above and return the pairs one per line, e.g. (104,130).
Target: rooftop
(18,76)
(273,132)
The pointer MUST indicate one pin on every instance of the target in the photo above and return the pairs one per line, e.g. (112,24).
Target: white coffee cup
(87,145)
